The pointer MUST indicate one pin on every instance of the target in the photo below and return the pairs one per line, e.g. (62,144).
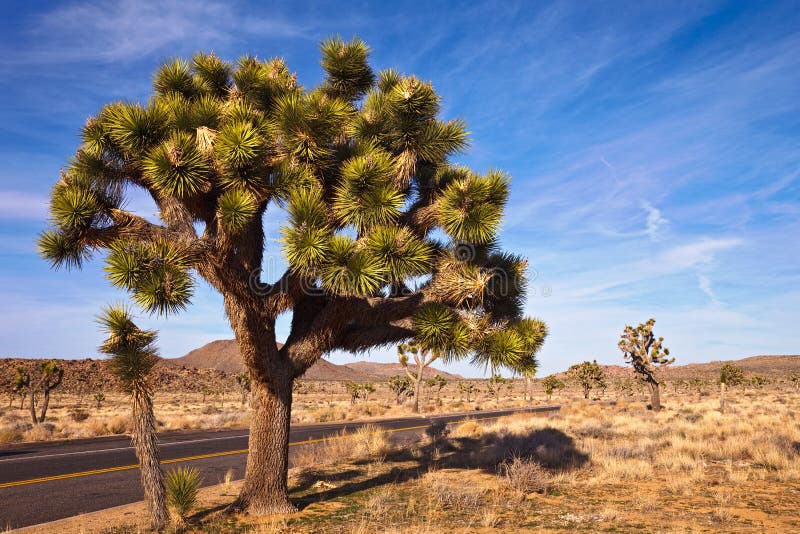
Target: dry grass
(593,467)
(77,416)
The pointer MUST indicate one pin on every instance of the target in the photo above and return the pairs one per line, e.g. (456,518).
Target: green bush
(182,484)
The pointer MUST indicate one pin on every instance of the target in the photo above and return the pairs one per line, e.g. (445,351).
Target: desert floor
(605,465)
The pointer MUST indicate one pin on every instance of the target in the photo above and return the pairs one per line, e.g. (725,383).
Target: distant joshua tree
(243,379)
(401,386)
(466,388)
(423,357)
(50,376)
(644,352)
(588,375)
(794,378)
(98,399)
(437,382)
(758,381)
(551,383)
(729,375)
(133,356)
(495,385)
(359,391)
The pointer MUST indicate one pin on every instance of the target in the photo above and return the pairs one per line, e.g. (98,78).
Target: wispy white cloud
(656,222)
(123,30)
(704,284)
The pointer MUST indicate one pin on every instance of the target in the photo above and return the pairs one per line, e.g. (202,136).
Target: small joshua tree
(133,356)
(644,352)
(359,391)
(243,379)
(758,381)
(729,375)
(401,386)
(467,389)
(98,399)
(423,357)
(794,378)
(551,383)
(49,378)
(437,382)
(588,375)
(494,386)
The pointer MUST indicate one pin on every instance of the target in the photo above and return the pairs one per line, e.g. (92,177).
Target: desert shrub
(447,492)
(182,485)
(78,414)
(369,441)
(524,476)
(209,410)
(118,425)
(468,429)
(9,434)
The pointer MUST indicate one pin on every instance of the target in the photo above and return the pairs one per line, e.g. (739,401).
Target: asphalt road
(42,482)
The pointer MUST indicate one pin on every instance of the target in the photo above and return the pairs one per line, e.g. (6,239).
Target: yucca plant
(133,354)
(386,240)
(183,483)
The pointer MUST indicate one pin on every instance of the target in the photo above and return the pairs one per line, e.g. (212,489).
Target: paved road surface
(41,482)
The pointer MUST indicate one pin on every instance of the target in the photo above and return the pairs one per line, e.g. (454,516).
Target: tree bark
(655,396)
(528,395)
(265,489)
(32,395)
(145,442)
(722,397)
(417,391)
(45,404)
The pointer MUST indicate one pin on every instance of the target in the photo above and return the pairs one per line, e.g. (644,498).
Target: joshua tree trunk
(417,391)
(655,396)
(45,404)
(32,396)
(265,486)
(265,489)
(722,397)
(528,389)
(145,443)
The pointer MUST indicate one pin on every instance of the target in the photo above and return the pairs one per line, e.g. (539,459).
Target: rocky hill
(377,370)
(223,355)
(769,366)
(83,376)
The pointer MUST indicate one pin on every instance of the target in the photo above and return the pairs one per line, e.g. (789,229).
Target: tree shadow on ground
(553,449)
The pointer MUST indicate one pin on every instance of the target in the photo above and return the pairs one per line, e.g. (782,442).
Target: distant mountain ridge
(770,366)
(223,355)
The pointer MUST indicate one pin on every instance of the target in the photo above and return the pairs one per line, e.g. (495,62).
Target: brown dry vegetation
(73,415)
(594,466)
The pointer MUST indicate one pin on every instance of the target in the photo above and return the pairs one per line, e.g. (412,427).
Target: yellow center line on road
(216,454)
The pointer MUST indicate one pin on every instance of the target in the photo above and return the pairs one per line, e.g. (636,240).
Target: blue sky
(653,147)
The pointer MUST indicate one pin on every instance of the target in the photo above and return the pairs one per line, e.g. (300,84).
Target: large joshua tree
(645,353)
(133,355)
(385,239)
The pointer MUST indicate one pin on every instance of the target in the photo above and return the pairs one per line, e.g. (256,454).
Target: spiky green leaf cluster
(348,73)
(471,208)
(176,167)
(438,328)
(132,350)
(156,273)
(235,209)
